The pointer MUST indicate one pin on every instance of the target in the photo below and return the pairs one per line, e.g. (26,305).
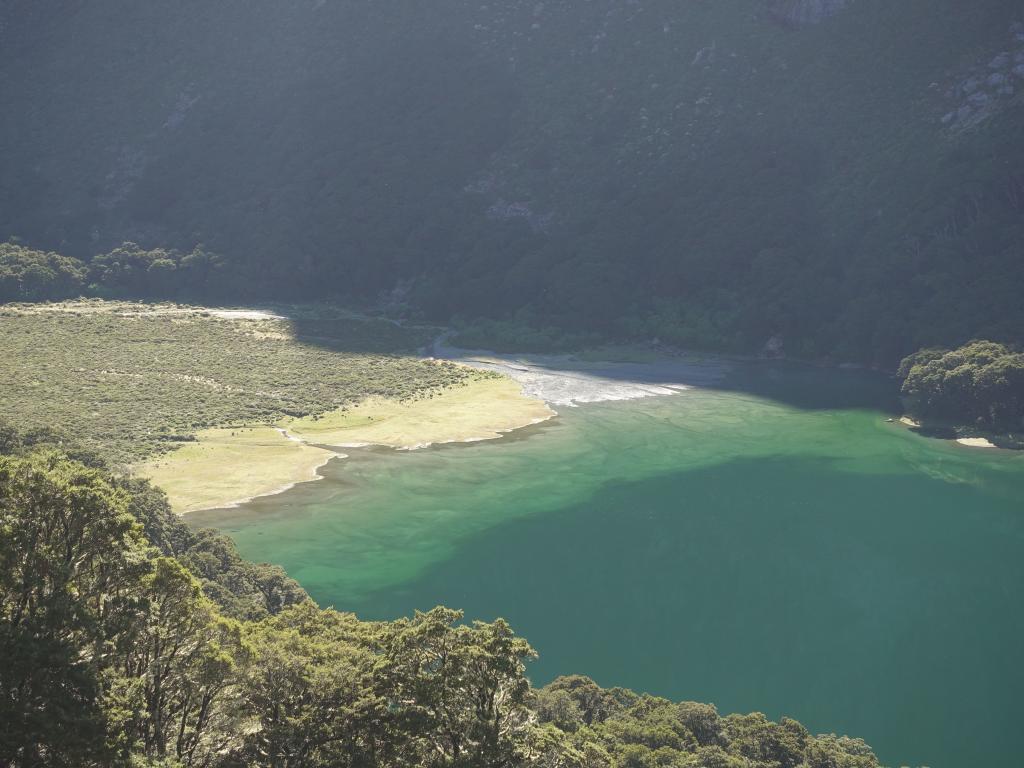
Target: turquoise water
(778,547)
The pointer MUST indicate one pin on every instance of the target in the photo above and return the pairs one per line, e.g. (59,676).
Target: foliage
(111,655)
(615,727)
(131,271)
(980,384)
(27,275)
(241,589)
(523,333)
(313,691)
(71,557)
(463,689)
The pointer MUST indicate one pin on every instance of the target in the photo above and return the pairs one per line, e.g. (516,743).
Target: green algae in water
(810,561)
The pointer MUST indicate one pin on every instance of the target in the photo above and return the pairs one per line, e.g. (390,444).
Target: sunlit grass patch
(230,465)
(484,407)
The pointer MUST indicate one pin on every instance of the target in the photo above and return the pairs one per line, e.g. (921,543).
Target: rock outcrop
(801,13)
(984,89)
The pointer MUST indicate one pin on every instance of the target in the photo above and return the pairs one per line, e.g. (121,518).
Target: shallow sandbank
(976,442)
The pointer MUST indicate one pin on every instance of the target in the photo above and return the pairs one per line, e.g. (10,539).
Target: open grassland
(231,465)
(483,409)
(134,380)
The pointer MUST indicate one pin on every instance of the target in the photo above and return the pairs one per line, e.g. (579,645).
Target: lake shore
(223,470)
(976,442)
(569,381)
(960,435)
(230,466)
(484,409)
(227,467)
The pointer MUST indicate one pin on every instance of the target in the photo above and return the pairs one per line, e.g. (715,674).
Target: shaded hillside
(846,176)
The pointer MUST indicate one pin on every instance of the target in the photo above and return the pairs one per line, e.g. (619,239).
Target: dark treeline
(125,272)
(842,176)
(129,640)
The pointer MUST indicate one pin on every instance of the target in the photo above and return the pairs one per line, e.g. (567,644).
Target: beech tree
(70,559)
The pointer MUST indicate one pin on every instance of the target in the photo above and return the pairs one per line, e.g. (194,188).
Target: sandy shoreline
(228,468)
(976,442)
(484,409)
(968,442)
(563,380)
(279,489)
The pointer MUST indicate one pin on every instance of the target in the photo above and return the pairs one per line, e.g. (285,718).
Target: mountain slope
(847,175)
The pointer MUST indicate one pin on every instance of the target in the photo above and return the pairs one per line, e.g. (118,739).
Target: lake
(772,544)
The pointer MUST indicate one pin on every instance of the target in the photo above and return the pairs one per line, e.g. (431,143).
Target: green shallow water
(783,552)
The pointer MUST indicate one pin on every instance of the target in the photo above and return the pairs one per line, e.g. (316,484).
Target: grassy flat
(231,465)
(131,380)
(480,409)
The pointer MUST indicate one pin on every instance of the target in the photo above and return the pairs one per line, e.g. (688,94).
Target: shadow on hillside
(793,384)
(353,334)
(812,387)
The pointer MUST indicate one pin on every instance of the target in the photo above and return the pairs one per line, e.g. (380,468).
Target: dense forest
(841,176)
(130,639)
(979,384)
(126,271)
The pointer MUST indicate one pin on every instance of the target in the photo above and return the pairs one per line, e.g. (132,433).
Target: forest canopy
(28,275)
(979,384)
(126,271)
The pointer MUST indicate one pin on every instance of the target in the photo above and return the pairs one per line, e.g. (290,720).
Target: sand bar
(977,442)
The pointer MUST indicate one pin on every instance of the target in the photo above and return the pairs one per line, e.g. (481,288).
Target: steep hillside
(844,175)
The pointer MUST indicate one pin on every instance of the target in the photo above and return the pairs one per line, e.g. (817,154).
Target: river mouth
(772,544)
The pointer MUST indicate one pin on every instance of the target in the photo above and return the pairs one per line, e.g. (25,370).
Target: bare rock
(800,13)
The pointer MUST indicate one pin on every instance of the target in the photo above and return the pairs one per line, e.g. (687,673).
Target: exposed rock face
(504,211)
(800,13)
(981,91)
(773,348)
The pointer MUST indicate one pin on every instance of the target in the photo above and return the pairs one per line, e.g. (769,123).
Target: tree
(979,384)
(311,692)
(70,556)
(756,738)
(28,275)
(460,692)
(177,668)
